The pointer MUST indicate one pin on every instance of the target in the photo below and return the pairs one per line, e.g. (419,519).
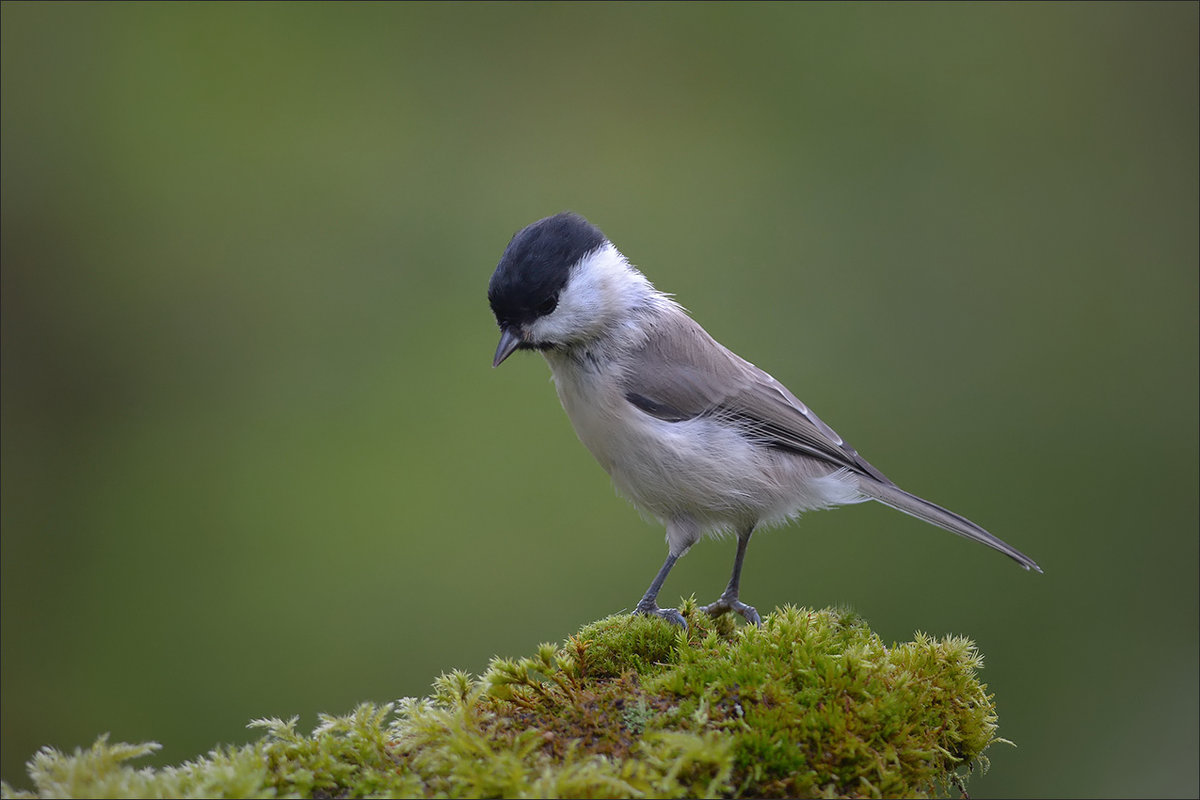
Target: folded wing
(682,373)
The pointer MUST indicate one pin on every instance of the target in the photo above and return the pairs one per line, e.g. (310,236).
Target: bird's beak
(509,342)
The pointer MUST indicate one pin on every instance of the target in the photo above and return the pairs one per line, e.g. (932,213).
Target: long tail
(895,497)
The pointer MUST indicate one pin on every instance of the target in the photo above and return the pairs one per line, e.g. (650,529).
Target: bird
(692,434)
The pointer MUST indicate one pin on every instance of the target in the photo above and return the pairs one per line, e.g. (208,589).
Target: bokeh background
(255,459)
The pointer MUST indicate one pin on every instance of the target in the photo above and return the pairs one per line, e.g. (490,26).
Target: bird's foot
(726,603)
(651,609)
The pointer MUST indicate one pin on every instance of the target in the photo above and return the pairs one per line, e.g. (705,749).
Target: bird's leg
(728,601)
(649,602)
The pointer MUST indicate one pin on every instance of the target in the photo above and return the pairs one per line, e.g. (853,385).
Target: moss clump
(812,704)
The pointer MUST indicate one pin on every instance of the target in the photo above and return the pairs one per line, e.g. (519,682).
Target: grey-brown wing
(682,373)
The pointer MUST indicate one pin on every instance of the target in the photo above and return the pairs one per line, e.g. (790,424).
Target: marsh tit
(693,435)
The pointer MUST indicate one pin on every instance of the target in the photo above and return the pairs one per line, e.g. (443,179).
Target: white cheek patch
(554,328)
(602,288)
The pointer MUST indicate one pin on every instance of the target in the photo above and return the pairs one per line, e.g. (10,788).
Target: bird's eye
(547,306)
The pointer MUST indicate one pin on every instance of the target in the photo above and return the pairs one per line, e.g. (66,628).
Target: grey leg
(728,601)
(649,601)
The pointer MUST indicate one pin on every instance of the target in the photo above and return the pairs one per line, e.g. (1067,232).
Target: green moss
(812,704)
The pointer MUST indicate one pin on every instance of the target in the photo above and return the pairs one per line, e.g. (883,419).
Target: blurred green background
(255,459)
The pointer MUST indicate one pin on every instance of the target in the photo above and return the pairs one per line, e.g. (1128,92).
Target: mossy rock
(812,704)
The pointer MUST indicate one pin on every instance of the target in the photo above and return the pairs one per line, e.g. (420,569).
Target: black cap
(536,264)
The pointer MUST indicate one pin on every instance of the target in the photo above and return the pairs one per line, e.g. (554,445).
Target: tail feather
(895,497)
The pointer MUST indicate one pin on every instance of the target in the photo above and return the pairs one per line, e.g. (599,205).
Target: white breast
(699,469)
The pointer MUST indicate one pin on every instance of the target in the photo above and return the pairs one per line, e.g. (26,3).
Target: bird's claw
(671,615)
(725,604)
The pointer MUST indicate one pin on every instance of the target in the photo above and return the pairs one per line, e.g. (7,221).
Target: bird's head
(561,283)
